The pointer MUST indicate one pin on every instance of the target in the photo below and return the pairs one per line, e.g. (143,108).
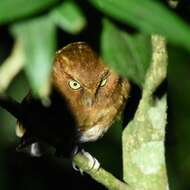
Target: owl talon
(76,150)
(93,163)
(76,168)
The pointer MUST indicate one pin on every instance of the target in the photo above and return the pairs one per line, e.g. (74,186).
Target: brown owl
(84,90)
(95,94)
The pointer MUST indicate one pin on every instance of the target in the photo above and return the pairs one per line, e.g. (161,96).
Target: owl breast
(99,123)
(94,133)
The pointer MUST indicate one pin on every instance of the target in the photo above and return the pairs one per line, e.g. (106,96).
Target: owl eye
(103,82)
(74,85)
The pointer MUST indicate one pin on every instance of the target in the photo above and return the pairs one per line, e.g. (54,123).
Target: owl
(86,98)
(95,94)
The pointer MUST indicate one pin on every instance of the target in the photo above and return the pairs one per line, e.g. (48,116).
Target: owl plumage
(95,94)
(86,98)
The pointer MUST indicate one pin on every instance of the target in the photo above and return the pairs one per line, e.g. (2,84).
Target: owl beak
(88,101)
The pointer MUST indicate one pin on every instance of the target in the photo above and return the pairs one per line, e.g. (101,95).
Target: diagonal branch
(100,175)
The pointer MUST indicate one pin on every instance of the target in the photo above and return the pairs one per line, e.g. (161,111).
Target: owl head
(80,75)
(90,88)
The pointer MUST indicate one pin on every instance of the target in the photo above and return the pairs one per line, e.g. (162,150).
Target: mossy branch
(143,138)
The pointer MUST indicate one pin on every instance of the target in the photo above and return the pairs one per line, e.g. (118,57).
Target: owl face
(91,89)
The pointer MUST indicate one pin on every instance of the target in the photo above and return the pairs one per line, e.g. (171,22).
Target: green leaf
(128,54)
(69,17)
(14,9)
(149,16)
(38,38)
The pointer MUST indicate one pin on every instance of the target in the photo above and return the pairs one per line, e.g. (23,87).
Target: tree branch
(100,175)
(143,138)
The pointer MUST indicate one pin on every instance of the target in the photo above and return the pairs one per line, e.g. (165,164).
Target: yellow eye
(74,84)
(103,82)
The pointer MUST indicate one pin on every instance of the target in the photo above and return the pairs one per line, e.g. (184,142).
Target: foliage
(133,57)
(39,39)
(34,24)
